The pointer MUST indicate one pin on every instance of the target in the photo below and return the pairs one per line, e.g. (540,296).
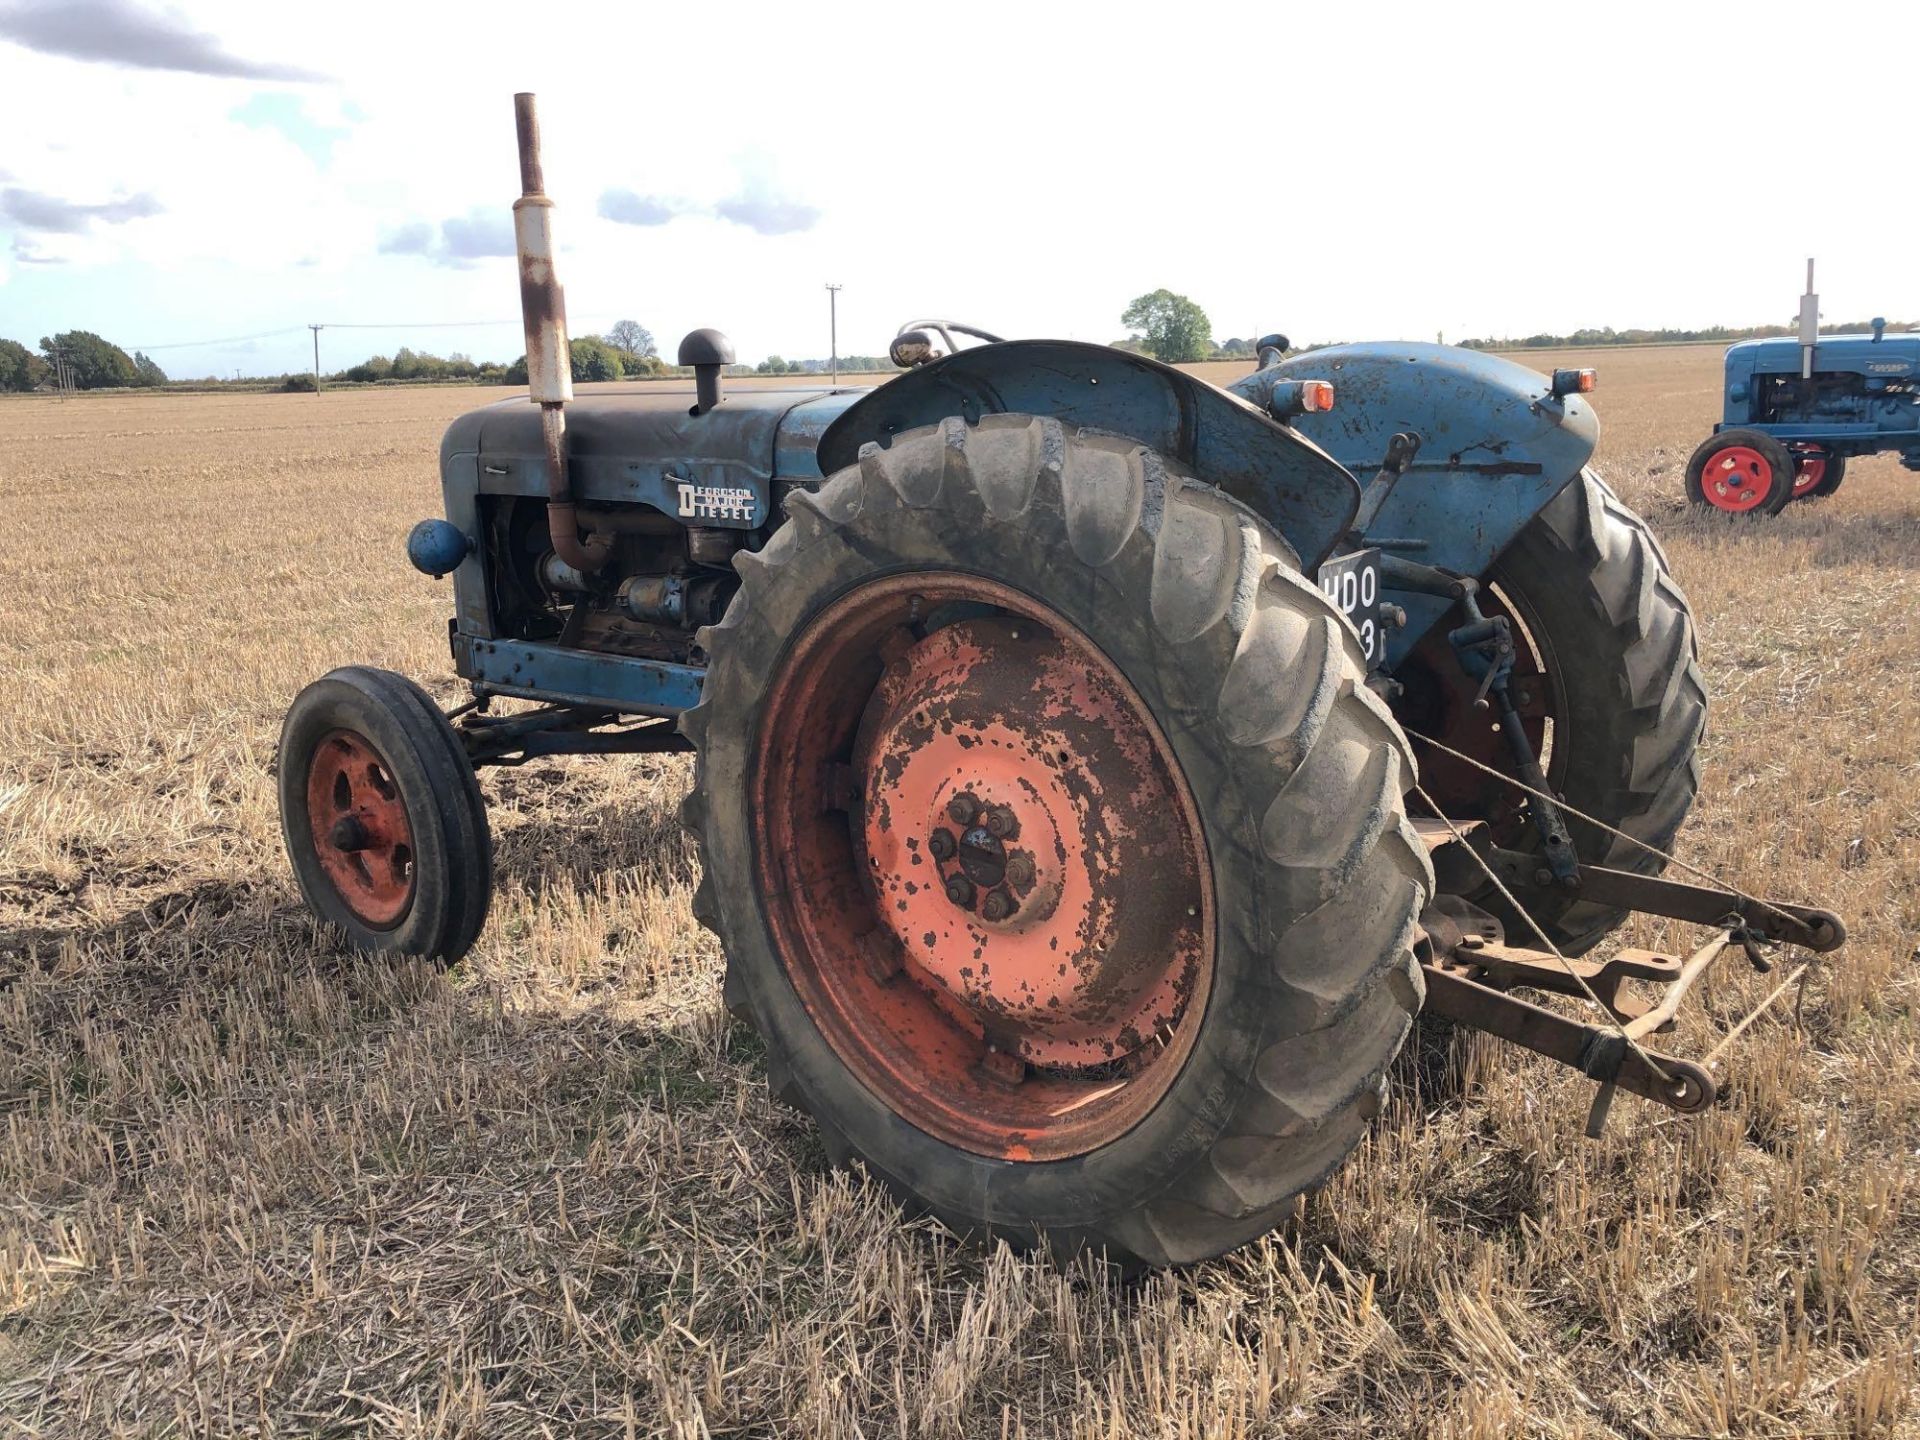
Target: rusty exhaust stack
(543,310)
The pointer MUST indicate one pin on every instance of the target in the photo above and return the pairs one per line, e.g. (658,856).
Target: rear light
(1300,397)
(1575,382)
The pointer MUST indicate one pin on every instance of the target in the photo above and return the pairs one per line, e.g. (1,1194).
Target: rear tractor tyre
(1596,598)
(1056,842)
(383,819)
(1741,472)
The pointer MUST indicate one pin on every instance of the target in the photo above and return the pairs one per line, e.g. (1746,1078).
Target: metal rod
(1600,1054)
(833,330)
(1669,1005)
(543,313)
(316,356)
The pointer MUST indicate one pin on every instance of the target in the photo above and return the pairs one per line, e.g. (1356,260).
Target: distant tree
(1236,347)
(1174,328)
(371,370)
(302,383)
(595,359)
(20,368)
(632,339)
(772,365)
(146,372)
(407,365)
(516,373)
(93,363)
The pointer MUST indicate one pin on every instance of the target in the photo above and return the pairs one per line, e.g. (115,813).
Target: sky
(204,180)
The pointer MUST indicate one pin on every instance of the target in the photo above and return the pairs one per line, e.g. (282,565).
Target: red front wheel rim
(1737,479)
(360,830)
(983,869)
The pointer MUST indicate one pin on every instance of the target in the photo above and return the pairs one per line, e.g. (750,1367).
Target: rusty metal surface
(1601,1055)
(1818,930)
(362,835)
(1438,700)
(1006,783)
(1677,987)
(543,313)
(543,305)
(946,888)
(1502,967)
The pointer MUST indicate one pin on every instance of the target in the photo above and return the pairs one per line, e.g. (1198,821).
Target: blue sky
(214,172)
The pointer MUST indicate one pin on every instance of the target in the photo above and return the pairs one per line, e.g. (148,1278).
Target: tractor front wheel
(1741,472)
(1056,842)
(383,820)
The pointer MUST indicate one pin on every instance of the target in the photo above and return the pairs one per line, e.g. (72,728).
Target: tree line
(76,359)
(1162,324)
(1711,334)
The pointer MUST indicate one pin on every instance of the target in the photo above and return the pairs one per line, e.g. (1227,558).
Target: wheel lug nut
(1019,870)
(997,906)
(960,890)
(962,808)
(1001,824)
(941,844)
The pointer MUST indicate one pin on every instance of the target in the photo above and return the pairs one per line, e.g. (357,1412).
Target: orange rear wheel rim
(983,868)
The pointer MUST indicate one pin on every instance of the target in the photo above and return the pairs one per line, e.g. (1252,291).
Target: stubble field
(253,1185)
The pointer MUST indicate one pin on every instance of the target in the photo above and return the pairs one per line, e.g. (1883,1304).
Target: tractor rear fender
(1303,492)
(1496,444)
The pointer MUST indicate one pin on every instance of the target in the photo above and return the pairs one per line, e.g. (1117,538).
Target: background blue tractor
(1795,410)
(1054,718)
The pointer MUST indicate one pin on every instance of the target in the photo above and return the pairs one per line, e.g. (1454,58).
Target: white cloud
(1327,172)
(117,32)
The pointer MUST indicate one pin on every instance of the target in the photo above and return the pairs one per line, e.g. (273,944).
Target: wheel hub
(1005,766)
(1737,478)
(361,832)
(985,875)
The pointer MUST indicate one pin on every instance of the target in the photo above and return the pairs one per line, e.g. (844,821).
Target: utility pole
(316,356)
(833,330)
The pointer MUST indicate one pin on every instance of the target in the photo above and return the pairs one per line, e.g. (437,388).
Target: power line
(226,340)
(419,325)
(333,325)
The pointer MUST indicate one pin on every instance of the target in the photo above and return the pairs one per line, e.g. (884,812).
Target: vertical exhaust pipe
(543,312)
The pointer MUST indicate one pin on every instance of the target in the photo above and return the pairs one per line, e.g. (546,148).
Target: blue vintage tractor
(1055,718)
(1797,409)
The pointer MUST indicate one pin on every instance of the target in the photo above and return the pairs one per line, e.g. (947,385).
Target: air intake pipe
(543,311)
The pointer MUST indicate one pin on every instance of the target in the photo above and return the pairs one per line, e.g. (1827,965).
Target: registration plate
(1352,583)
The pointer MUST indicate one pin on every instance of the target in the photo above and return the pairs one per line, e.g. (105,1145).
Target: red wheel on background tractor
(1741,472)
(383,820)
(1056,842)
(1817,471)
